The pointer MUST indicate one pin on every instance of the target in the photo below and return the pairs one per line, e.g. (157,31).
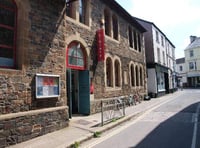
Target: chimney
(192,38)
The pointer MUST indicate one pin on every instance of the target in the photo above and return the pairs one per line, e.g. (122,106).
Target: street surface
(175,124)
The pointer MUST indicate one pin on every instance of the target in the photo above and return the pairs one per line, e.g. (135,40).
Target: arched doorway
(77,79)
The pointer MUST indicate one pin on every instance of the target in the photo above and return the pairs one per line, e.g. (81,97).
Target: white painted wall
(151,80)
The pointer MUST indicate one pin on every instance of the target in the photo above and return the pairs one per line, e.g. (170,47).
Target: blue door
(84,92)
(69,92)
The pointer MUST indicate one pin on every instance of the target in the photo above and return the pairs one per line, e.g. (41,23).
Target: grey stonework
(45,53)
(18,129)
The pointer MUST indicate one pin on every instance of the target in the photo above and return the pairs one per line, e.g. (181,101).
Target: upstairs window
(164,58)
(111,24)
(191,53)
(191,65)
(130,35)
(181,68)
(71,9)
(135,40)
(158,53)
(8,13)
(80,6)
(115,27)
(157,37)
(139,42)
(107,22)
(162,41)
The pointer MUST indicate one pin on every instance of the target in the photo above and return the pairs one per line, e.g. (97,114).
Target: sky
(177,19)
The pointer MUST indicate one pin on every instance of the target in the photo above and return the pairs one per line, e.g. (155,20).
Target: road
(175,124)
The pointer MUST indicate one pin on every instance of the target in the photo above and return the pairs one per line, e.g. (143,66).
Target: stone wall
(40,49)
(16,128)
(44,53)
(119,48)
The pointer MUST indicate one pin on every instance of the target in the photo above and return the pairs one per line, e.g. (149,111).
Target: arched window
(8,13)
(141,77)
(132,75)
(117,73)
(109,72)
(137,76)
(75,56)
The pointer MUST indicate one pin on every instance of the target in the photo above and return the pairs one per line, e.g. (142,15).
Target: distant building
(181,71)
(160,60)
(192,62)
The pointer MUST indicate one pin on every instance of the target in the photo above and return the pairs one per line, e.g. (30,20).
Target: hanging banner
(100,45)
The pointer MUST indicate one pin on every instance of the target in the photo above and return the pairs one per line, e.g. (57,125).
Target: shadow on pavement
(175,132)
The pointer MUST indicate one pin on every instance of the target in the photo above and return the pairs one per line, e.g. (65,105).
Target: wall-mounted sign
(47,86)
(100,45)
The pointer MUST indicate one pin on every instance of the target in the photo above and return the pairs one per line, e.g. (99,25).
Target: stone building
(53,63)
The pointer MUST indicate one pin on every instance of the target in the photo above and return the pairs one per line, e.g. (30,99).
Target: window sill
(111,39)
(76,22)
(113,89)
(8,71)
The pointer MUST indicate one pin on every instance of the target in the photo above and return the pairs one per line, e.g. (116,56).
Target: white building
(160,59)
(192,62)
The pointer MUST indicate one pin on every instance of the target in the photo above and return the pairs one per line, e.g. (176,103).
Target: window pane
(6,57)
(80,62)
(6,37)
(72,51)
(79,53)
(7,17)
(72,61)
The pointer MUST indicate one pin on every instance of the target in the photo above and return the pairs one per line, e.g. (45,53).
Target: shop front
(162,80)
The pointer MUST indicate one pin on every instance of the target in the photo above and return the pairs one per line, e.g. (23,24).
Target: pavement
(82,128)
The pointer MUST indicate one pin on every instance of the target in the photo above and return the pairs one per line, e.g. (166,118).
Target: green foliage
(75,145)
(97,134)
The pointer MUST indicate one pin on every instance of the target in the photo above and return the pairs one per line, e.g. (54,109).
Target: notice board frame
(47,86)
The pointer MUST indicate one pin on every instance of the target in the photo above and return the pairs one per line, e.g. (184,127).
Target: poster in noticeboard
(47,86)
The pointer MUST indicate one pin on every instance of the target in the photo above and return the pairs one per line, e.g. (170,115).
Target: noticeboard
(47,86)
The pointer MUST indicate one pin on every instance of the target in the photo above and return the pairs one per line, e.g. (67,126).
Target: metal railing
(112,110)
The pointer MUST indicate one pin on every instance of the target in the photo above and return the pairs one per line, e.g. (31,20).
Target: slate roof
(194,44)
(151,23)
(180,61)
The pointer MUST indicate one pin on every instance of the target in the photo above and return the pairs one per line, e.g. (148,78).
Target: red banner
(100,45)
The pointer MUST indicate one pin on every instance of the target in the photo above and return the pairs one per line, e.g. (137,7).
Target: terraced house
(59,58)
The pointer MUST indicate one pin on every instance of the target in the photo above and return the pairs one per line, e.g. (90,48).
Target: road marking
(194,137)
(101,139)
